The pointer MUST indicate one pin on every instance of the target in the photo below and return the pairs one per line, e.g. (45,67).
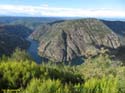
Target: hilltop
(70,40)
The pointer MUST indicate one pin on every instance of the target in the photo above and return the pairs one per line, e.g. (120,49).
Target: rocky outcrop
(67,40)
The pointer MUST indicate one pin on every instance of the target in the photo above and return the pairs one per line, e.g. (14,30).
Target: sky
(63,8)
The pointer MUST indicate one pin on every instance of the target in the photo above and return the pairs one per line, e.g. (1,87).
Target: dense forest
(100,74)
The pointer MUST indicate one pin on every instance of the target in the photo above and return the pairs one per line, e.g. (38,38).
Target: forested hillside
(13,36)
(100,74)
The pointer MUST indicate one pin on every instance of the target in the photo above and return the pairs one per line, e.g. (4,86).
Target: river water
(33,51)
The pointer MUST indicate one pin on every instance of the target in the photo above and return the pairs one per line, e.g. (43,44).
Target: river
(33,51)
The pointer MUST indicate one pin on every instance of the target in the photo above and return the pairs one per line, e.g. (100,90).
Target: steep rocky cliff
(65,41)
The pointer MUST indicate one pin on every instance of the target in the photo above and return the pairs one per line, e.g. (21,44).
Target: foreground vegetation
(96,75)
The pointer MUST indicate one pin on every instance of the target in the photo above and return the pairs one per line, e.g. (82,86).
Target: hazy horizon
(63,8)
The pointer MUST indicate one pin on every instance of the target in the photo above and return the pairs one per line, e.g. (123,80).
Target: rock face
(68,40)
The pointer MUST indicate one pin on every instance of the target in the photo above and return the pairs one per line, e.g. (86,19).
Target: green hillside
(13,36)
(96,75)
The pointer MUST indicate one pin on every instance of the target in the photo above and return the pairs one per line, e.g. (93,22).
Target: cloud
(45,10)
(45,5)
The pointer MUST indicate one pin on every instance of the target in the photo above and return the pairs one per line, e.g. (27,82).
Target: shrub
(104,85)
(46,86)
(20,55)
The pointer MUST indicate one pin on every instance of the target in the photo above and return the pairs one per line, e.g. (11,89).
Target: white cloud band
(45,10)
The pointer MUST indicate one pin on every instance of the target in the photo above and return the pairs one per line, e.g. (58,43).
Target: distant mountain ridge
(30,22)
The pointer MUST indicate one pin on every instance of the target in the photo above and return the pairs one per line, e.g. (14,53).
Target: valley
(62,46)
(70,39)
(61,55)
(33,50)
